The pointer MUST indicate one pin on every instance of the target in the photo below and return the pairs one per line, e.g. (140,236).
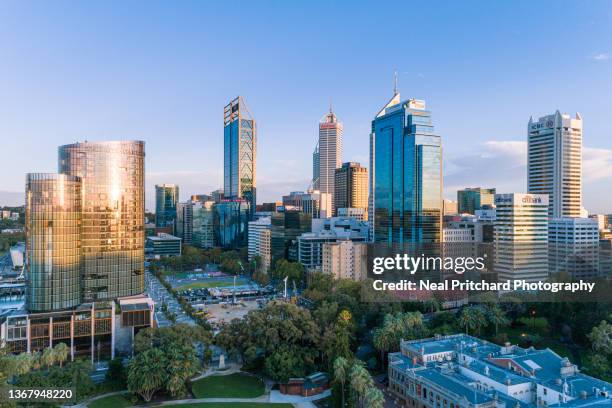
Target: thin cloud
(602,56)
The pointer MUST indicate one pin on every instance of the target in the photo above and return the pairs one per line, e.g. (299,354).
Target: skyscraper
(351,187)
(555,162)
(112,231)
(328,154)
(471,199)
(406,174)
(166,200)
(239,152)
(521,237)
(53,244)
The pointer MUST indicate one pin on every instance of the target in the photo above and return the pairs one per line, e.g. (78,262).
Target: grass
(233,405)
(210,284)
(228,386)
(112,401)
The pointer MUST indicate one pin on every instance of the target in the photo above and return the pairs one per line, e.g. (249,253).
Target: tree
(61,353)
(284,364)
(374,398)
(147,373)
(472,317)
(48,357)
(360,381)
(601,338)
(80,374)
(382,341)
(182,365)
(497,317)
(341,367)
(432,305)
(116,373)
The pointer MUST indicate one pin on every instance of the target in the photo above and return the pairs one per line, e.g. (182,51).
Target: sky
(162,71)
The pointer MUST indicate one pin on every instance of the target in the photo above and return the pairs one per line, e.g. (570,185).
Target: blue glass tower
(240,149)
(406,176)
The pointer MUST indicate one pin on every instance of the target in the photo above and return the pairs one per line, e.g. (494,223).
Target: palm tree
(472,317)
(497,317)
(374,398)
(48,357)
(382,341)
(432,305)
(61,353)
(23,363)
(341,367)
(360,382)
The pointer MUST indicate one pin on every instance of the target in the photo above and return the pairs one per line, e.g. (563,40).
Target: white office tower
(345,260)
(328,153)
(555,162)
(573,247)
(259,241)
(521,237)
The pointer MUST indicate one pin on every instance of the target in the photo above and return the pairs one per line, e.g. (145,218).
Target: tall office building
(406,174)
(184,221)
(166,200)
(471,199)
(112,229)
(239,153)
(351,187)
(202,224)
(521,237)
(328,154)
(554,164)
(573,247)
(259,242)
(53,244)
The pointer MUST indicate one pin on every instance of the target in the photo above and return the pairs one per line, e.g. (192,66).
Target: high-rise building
(344,260)
(328,153)
(112,230)
(521,237)
(184,221)
(471,199)
(316,203)
(351,187)
(203,224)
(450,207)
(406,168)
(53,243)
(286,227)
(554,164)
(573,247)
(259,241)
(231,219)
(239,153)
(310,244)
(166,200)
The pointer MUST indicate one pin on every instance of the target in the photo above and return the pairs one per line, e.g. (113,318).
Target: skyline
(61,55)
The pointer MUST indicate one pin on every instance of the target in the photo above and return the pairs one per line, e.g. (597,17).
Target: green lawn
(113,401)
(228,386)
(210,284)
(233,405)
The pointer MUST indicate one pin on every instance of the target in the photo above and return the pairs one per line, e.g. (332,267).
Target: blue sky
(162,72)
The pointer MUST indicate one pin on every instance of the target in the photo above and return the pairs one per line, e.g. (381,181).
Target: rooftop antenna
(330,105)
(395,82)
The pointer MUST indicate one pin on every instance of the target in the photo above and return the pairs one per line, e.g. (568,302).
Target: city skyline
(183,99)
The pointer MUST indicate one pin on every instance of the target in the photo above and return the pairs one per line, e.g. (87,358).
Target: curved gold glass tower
(53,246)
(112,233)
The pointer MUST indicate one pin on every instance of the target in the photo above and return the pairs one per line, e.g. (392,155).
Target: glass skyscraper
(406,171)
(239,152)
(166,200)
(112,220)
(53,245)
(231,218)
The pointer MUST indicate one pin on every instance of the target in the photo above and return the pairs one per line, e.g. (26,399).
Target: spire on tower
(395,82)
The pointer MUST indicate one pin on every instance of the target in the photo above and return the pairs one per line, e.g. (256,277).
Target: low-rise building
(163,245)
(461,371)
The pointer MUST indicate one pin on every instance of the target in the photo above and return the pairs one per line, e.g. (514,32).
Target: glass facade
(471,199)
(407,174)
(286,228)
(112,231)
(203,224)
(53,245)
(239,153)
(166,200)
(231,223)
